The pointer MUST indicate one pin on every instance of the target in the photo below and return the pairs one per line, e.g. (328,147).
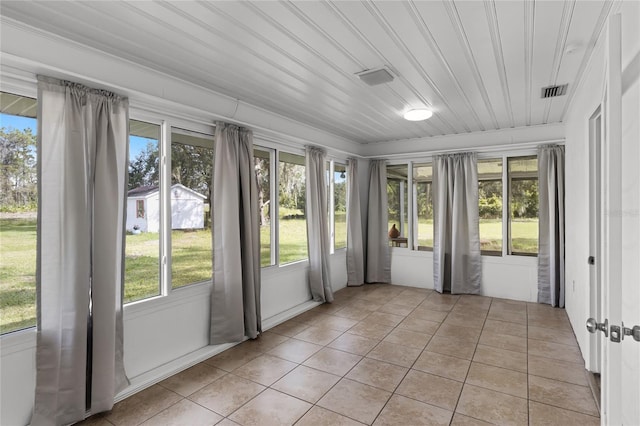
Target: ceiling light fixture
(418,114)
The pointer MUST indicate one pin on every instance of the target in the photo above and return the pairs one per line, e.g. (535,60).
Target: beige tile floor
(385,355)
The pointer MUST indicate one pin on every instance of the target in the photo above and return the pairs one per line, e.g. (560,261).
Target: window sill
(18,341)
(177,297)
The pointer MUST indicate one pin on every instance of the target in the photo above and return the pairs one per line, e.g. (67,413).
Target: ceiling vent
(553,91)
(376,76)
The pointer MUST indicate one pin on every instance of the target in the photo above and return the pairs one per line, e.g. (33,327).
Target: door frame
(611,361)
(596,136)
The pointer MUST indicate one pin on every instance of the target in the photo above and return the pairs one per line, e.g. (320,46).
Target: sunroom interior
(290,72)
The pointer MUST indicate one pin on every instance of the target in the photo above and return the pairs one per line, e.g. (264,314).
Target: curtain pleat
(82,175)
(551,283)
(457,264)
(355,247)
(317,225)
(235,298)
(378,253)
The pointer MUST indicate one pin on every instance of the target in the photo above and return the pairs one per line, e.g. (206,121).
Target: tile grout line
(471,361)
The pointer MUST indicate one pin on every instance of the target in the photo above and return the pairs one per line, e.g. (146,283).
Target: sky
(136,144)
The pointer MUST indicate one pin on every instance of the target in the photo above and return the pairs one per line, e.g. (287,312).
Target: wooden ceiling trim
(374,127)
(496,40)
(379,17)
(529,19)
(356,32)
(256,93)
(337,45)
(452,11)
(349,78)
(602,19)
(561,43)
(428,37)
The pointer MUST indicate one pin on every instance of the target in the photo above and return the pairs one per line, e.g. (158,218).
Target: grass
(191,258)
(17,274)
(524,232)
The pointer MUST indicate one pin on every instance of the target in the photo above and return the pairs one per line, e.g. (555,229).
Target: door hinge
(591,260)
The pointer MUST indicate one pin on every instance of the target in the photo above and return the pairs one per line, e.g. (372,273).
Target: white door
(596,136)
(621,235)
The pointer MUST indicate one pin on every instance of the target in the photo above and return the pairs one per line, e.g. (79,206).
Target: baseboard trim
(594,385)
(167,370)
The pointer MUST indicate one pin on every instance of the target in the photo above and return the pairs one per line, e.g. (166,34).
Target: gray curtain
(82,177)
(235,298)
(355,248)
(551,229)
(457,264)
(318,225)
(378,254)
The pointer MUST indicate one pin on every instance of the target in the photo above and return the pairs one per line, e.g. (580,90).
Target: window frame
(25,91)
(332,199)
(188,131)
(496,253)
(273,207)
(140,210)
(414,223)
(278,152)
(524,152)
(408,200)
(509,180)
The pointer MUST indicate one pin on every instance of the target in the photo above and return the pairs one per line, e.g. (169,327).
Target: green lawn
(17,274)
(192,258)
(524,231)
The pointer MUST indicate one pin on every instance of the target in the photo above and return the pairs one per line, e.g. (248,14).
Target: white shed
(143,208)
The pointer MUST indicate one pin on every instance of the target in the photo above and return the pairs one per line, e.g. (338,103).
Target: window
(490,205)
(292,235)
(339,206)
(397,200)
(262,162)
(191,194)
(423,206)
(140,209)
(523,205)
(142,253)
(19,211)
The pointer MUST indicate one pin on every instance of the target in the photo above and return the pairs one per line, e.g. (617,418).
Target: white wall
(588,97)
(508,277)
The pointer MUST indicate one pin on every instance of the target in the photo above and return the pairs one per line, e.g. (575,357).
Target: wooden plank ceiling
(480,65)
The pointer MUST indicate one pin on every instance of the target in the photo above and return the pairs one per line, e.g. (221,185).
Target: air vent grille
(553,91)
(376,76)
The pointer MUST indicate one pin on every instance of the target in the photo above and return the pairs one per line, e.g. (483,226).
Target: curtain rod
(482,149)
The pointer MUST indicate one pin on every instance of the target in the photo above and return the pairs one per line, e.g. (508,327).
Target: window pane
(340,205)
(490,205)
(291,214)
(397,198)
(18,212)
(262,159)
(142,254)
(523,205)
(423,211)
(191,244)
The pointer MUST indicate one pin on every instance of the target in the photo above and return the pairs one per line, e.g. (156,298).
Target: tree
(292,193)
(340,196)
(144,170)
(264,189)
(192,166)
(18,182)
